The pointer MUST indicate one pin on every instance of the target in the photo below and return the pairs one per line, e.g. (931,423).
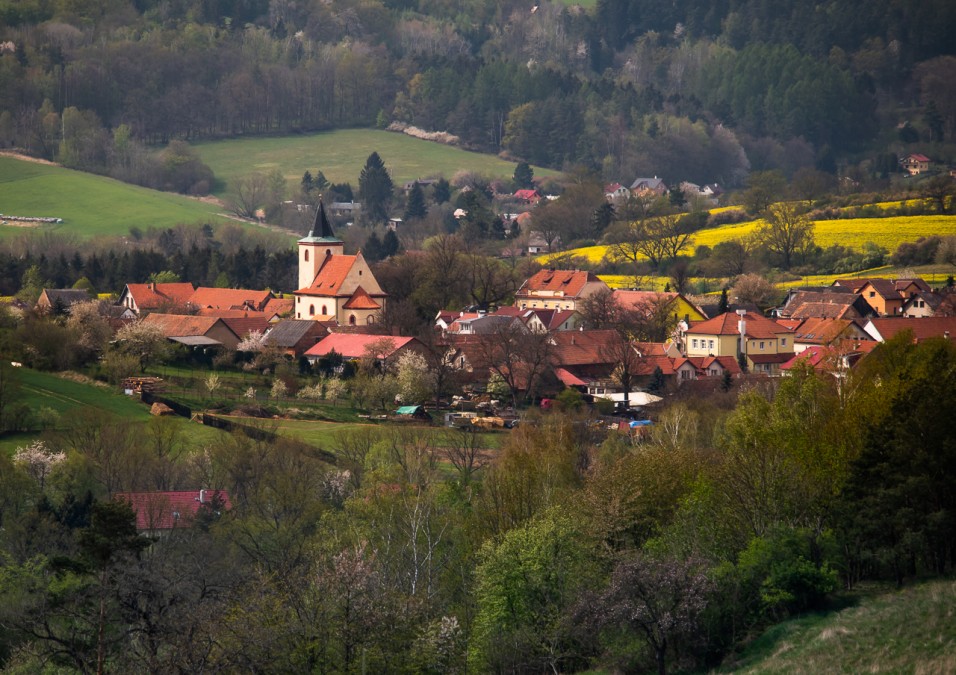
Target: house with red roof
(158,513)
(230,298)
(557,289)
(817,332)
(765,343)
(915,164)
(332,283)
(151,296)
(194,331)
(354,346)
(883,329)
(528,196)
(883,296)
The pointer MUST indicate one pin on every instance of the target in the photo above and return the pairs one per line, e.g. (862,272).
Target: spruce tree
(415,207)
(375,188)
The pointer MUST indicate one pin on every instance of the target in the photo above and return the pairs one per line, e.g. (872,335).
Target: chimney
(151,286)
(742,329)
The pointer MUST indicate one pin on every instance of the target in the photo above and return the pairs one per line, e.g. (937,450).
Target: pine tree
(375,188)
(390,244)
(523,176)
(442,191)
(374,249)
(722,304)
(415,207)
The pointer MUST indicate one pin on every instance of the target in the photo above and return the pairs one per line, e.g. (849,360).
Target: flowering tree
(252,342)
(144,341)
(38,460)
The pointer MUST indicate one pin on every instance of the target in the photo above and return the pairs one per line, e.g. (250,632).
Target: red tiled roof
(231,313)
(279,306)
(245,325)
(527,195)
(726,324)
(569,282)
(229,298)
(568,379)
(151,296)
(181,325)
(923,328)
(353,345)
(818,330)
(582,347)
(918,157)
(331,275)
(168,510)
(361,300)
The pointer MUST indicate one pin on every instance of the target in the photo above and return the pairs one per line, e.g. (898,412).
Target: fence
(258,434)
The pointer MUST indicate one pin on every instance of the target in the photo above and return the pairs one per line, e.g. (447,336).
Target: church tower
(314,248)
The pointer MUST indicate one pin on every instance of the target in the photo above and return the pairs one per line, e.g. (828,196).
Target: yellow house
(681,308)
(765,343)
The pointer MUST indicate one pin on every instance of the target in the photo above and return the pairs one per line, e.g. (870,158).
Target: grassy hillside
(908,631)
(341,154)
(90,205)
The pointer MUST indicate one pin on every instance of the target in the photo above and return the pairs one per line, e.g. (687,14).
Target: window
(872,294)
(685,374)
(306,255)
(761,345)
(323,310)
(328,251)
(311,310)
(351,319)
(694,343)
(783,342)
(370,320)
(710,344)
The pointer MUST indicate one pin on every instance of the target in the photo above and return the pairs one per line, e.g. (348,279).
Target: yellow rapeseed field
(851,232)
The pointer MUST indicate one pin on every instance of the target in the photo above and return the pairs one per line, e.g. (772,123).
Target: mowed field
(90,205)
(341,154)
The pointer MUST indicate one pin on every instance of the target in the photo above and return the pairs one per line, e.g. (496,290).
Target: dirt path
(26,158)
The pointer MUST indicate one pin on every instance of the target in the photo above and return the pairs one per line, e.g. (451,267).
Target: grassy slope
(907,631)
(90,205)
(341,154)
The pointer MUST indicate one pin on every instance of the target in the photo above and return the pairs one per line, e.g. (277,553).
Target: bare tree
(518,355)
(786,232)
(657,239)
(464,450)
(249,194)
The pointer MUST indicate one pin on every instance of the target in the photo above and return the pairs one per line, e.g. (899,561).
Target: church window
(311,310)
(352,320)
(323,309)
(306,252)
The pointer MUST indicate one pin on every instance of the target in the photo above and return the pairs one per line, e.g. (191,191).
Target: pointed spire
(321,223)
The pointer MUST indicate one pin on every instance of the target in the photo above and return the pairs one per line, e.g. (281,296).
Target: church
(332,285)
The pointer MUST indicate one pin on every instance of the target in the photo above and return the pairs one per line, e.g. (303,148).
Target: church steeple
(321,227)
(319,244)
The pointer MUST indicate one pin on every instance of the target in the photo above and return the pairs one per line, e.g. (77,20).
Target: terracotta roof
(769,358)
(702,364)
(353,345)
(918,157)
(245,325)
(820,330)
(582,347)
(923,328)
(757,326)
(361,300)
(181,325)
(231,313)
(151,296)
(169,510)
(568,283)
(331,275)
(568,378)
(279,305)
(229,298)
(527,195)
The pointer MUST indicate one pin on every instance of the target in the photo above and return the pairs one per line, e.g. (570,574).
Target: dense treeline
(639,87)
(571,549)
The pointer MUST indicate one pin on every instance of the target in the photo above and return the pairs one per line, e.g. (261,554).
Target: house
(615,192)
(528,196)
(194,331)
(648,186)
(60,300)
(483,324)
(151,296)
(765,343)
(158,513)
(915,164)
(822,332)
(882,296)
(884,328)
(836,359)
(832,302)
(294,337)
(557,289)
(537,244)
(332,283)
(243,325)
(279,308)
(922,304)
(675,304)
(546,320)
(697,367)
(354,346)
(229,298)
(345,209)
(420,182)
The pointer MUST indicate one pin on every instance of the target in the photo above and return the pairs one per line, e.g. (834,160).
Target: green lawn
(902,631)
(341,154)
(90,205)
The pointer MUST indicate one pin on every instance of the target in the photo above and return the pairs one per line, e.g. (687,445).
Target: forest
(413,551)
(686,91)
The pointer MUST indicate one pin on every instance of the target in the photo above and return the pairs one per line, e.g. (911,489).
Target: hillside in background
(91,205)
(340,155)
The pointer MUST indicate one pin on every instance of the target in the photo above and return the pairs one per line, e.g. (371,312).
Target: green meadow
(341,154)
(90,205)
